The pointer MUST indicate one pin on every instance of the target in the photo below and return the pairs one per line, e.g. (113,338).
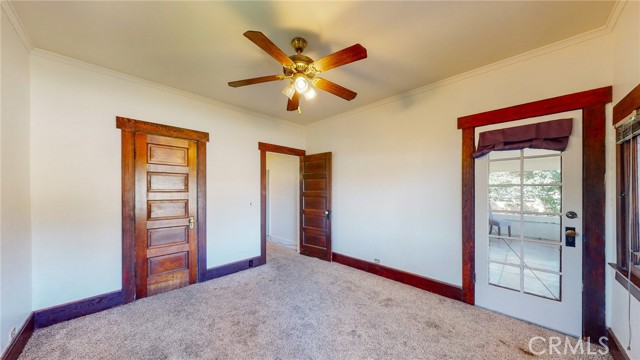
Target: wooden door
(166,206)
(315,206)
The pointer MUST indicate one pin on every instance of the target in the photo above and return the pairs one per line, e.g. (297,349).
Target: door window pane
(540,152)
(504,250)
(525,198)
(542,284)
(504,154)
(542,256)
(542,227)
(504,224)
(505,198)
(505,276)
(544,170)
(544,199)
(504,172)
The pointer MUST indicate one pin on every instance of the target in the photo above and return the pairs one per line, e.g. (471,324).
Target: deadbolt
(570,236)
(571,214)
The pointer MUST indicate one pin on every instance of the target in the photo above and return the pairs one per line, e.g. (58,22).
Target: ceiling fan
(302,70)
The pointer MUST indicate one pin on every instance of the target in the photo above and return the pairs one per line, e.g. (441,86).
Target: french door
(528,231)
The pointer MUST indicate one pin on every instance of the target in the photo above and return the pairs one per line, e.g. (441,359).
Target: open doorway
(265,150)
(283,225)
(314,201)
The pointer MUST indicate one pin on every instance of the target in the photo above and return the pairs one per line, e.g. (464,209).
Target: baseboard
(421,282)
(20,340)
(615,348)
(233,267)
(59,313)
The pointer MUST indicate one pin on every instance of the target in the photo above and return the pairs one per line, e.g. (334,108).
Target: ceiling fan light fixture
(310,93)
(300,83)
(300,70)
(289,90)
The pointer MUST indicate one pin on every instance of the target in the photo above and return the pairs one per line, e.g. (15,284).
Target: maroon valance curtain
(549,135)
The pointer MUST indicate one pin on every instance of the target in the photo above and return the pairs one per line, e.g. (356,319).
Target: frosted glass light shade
(301,83)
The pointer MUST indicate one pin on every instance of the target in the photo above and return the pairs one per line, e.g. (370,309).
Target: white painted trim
(119,75)
(615,14)
(602,31)
(10,11)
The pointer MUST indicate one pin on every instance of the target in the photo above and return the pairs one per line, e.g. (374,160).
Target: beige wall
(396,166)
(75,162)
(282,210)
(396,175)
(15,218)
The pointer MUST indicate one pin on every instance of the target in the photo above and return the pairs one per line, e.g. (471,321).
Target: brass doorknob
(571,233)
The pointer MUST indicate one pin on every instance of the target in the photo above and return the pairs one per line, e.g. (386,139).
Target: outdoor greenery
(537,196)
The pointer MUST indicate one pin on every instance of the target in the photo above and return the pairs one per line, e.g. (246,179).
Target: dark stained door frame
(129,128)
(278,149)
(592,103)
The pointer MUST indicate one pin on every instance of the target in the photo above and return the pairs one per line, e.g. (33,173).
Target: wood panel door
(315,206)
(166,207)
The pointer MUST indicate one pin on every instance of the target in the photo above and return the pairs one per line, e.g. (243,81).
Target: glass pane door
(525,195)
(524,266)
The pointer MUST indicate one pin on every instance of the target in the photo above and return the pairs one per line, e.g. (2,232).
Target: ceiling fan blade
(292,104)
(334,88)
(345,56)
(269,47)
(257,80)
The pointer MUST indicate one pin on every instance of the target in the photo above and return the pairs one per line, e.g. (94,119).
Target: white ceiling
(197,46)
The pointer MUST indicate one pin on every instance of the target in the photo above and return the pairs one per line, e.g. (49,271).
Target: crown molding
(10,12)
(615,14)
(593,34)
(134,79)
(606,29)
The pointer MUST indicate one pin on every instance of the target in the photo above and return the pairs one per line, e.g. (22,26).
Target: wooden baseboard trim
(233,267)
(421,282)
(615,348)
(20,340)
(59,313)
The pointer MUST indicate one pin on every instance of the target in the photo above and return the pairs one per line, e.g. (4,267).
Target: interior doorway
(283,178)
(164,238)
(314,201)
(265,151)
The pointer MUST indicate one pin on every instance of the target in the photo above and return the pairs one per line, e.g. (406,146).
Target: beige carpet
(294,307)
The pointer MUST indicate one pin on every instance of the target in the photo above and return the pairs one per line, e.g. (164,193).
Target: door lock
(192,221)
(570,236)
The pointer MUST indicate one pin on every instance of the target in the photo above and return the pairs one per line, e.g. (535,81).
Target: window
(628,241)
(525,241)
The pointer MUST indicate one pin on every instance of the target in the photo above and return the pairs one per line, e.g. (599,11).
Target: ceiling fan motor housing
(301,61)
(299,44)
